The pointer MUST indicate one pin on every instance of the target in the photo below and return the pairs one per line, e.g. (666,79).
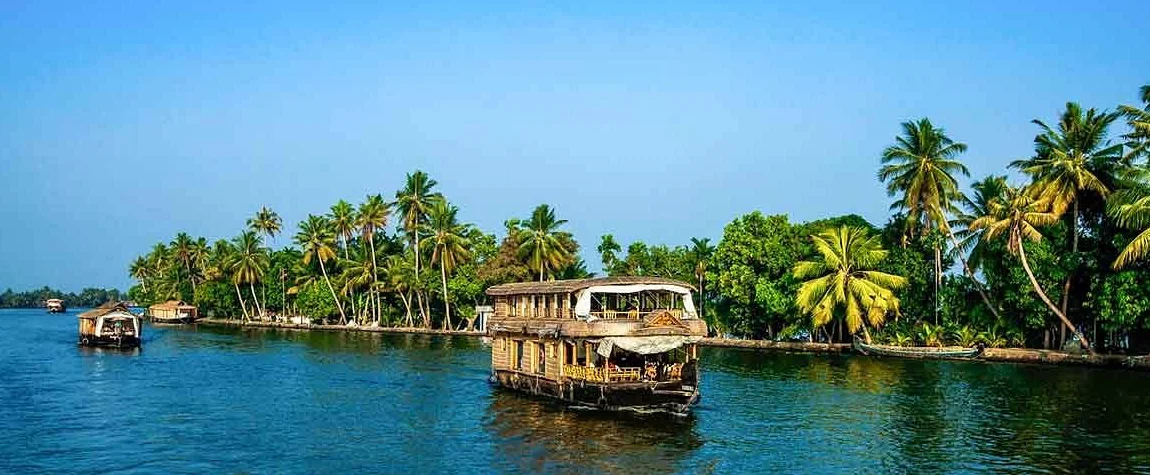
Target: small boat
(929,352)
(614,343)
(110,324)
(172,311)
(56,306)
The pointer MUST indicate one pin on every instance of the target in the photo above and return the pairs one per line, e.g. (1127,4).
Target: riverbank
(1002,355)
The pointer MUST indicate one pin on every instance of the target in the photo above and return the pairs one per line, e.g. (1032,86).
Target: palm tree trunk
(374,273)
(446,306)
(342,316)
(241,297)
(970,273)
(1066,285)
(407,309)
(255,300)
(1045,299)
(937,278)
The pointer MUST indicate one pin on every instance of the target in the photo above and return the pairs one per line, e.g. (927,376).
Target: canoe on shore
(953,352)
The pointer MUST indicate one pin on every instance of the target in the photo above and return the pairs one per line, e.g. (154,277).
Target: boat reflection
(540,436)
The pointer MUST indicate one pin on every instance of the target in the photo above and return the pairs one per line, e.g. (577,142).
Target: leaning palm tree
(449,243)
(400,278)
(1017,217)
(1071,162)
(139,270)
(357,274)
(541,243)
(1130,208)
(701,250)
(1139,122)
(843,278)
(317,239)
(371,219)
(249,263)
(919,169)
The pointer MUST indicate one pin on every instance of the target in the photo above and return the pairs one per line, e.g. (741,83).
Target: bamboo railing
(601,375)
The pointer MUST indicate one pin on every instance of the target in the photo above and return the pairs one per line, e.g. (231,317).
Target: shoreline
(997,355)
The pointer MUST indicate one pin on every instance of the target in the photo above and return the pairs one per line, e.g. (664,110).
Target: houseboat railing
(543,312)
(602,375)
(634,314)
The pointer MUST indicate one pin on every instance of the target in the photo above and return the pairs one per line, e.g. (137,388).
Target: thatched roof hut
(172,309)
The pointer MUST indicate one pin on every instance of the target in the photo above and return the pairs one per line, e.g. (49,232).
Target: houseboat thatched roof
(171,305)
(105,309)
(575,285)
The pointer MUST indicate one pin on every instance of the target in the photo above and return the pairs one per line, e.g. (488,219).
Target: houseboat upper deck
(611,343)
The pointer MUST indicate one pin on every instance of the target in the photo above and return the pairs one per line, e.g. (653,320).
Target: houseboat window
(518,355)
(568,353)
(542,367)
(581,354)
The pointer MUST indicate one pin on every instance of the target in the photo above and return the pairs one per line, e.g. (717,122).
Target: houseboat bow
(110,324)
(614,343)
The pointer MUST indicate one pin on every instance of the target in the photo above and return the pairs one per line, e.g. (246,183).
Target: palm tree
(701,250)
(844,278)
(1139,122)
(1017,217)
(182,250)
(920,169)
(400,274)
(223,258)
(357,274)
(413,201)
(317,239)
(970,240)
(1130,208)
(343,221)
(249,263)
(372,217)
(266,221)
(449,245)
(609,250)
(139,270)
(541,242)
(1070,162)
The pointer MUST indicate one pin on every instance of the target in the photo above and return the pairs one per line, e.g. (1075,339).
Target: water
(214,400)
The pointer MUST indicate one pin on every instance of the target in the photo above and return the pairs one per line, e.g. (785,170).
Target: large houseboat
(110,324)
(615,343)
(172,311)
(56,306)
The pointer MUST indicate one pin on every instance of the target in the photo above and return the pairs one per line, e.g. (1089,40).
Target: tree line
(88,297)
(1059,257)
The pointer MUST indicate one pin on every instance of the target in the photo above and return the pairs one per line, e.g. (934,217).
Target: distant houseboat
(616,343)
(172,311)
(110,324)
(56,306)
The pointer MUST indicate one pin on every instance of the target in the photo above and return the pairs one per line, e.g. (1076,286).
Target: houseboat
(110,324)
(614,343)
(172,311)
(56,306)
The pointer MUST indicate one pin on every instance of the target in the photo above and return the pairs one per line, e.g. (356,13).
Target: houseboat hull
(672,397)
(174,321)
(108,341)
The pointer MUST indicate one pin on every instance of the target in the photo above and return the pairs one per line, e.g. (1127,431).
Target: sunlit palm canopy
(317,239)
(541,242)
(842,278)
(919,169)
(448,238)
(1130,208)
(971,240)
(1017,216)
(1139,121)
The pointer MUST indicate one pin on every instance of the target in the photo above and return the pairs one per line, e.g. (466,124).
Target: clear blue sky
(122,124)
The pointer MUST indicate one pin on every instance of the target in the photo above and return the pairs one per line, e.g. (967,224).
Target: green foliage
(315,301)
(216,299)
(88,297)
(751,271)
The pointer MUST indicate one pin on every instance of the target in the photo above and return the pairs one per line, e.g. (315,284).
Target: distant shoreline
(998,355)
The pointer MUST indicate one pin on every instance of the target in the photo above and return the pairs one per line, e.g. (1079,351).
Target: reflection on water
(537,436)
(226,400)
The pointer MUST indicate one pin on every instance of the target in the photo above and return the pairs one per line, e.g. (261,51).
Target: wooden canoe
(929,352)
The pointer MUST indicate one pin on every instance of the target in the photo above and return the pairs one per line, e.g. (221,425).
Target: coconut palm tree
(413,202)
(343,221)
(1017,217)
(140,271)
(400,278)
(609,251)
(701,251)
(541,243)
(317,239)
(1130,208)
(182,251)
(449,246)
(1139,122)
(371,219)
(843,278)
(970,240)
(266,222)
(1071,162)
(358,273)
(919,169)
(249,263)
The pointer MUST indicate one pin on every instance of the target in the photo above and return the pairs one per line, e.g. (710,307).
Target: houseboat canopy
(586,289)
(172,307)
(105,309)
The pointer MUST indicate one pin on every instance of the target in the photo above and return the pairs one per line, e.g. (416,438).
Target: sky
(124,123)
